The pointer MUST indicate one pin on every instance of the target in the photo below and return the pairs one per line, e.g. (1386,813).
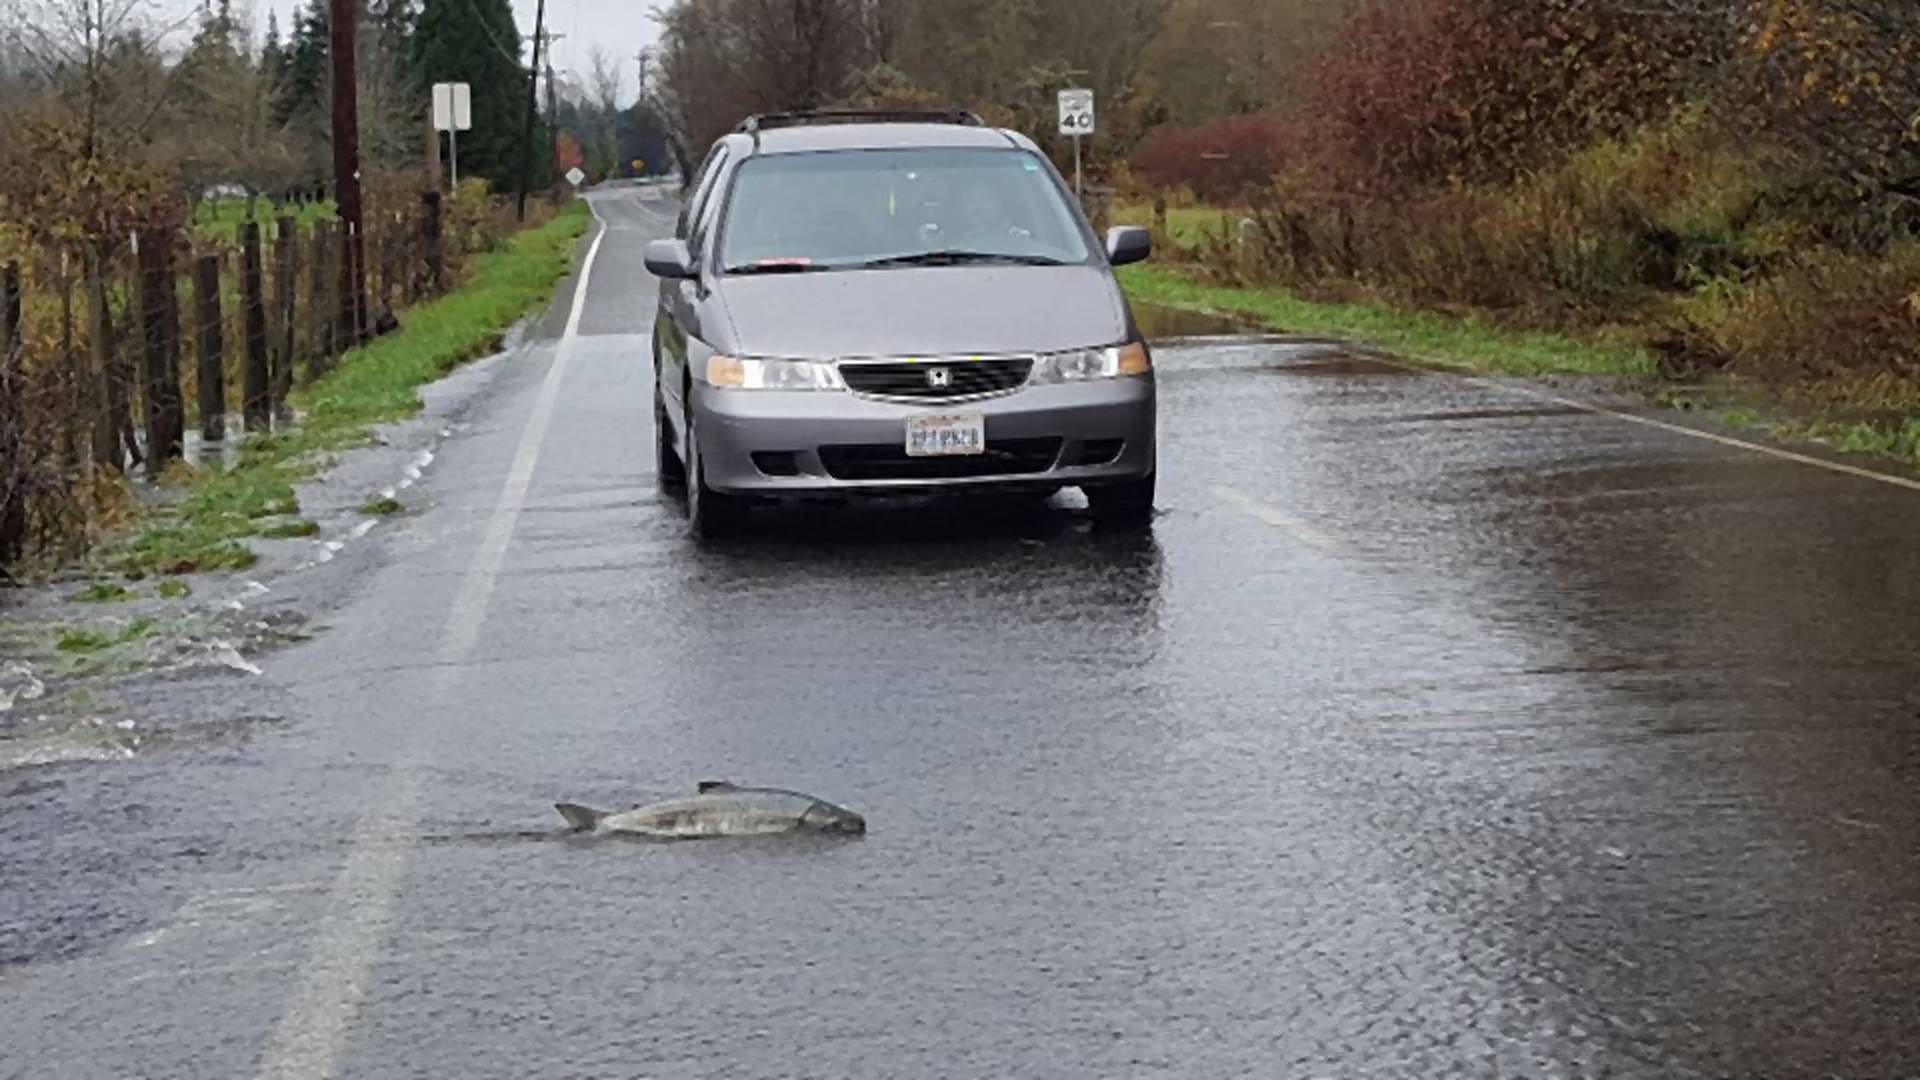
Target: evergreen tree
(273,58)
(477,43)
(303,85)
(393,23)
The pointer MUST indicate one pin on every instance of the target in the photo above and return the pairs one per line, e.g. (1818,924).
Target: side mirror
(1128,245)
(670,259)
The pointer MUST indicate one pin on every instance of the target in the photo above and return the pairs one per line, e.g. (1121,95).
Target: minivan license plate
(940,436)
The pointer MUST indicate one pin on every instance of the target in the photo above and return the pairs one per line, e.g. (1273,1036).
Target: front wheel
(1127,503)
(710,514)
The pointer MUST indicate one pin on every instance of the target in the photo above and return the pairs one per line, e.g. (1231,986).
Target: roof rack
(754,125)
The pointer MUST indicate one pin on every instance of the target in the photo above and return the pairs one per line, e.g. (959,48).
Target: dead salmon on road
(720,809)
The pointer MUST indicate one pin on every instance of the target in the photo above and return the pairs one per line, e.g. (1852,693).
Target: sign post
(453,113)
(1076,120)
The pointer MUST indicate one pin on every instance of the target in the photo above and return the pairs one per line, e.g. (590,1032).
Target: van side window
(703,186)
(707,210)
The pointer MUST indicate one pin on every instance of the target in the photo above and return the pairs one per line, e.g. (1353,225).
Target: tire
(669,470)
(710,514)
(1126,504)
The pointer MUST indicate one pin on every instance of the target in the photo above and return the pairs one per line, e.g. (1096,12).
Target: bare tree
(723,59)
(601,135)
(89,53)
(222,127)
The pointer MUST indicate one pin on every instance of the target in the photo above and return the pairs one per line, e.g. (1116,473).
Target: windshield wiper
(957,258)
(777,268)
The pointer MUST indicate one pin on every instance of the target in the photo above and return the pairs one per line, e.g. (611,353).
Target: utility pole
(346,165)
(553,114)
(642,111)
(526,130)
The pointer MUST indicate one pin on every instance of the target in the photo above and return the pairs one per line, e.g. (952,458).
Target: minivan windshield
(882,209)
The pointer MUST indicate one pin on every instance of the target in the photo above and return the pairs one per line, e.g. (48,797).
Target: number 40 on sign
(1076,112)
(1076,119)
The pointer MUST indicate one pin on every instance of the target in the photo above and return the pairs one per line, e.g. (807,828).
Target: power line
(481,21)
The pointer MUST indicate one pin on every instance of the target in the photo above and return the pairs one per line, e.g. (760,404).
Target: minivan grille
(923,379)
(890,461)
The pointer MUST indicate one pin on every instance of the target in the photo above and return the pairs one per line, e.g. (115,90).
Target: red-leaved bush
(1221,162)
(1427,92)
(1420,94)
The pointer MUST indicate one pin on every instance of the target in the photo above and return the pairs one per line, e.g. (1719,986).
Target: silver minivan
(862,303)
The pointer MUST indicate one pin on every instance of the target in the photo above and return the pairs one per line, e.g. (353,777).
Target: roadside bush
(1419,93)
(1222,162)
(1845,323)
(1615,231)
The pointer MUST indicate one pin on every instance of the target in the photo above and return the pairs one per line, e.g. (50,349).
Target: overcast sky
(621,27)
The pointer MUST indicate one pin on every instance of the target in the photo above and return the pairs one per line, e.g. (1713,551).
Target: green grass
(220,219)
(1186,224)
(1897,440)
(103,592)
(288,530)
(81,639)
(175,589)
(1439,340)
(382,506)
(375,383)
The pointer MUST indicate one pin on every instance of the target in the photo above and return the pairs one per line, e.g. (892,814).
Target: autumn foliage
(1224,161)
(1738,178)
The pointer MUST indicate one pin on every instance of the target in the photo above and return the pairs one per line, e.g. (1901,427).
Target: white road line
(659,216)
(333,980)
(1279,519)
(1677,429)
(586,273)
(1314,538)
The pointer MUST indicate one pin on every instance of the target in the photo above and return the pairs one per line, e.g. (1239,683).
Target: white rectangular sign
(452,107)
(1076,112)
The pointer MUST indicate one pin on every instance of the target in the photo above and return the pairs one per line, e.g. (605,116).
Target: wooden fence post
(11,332)
(341,243)
(68,382)
(13,502)
(160,301)
(1349,258)
(390,239)
(319,316)
(212,350)
(256,398)
(284,291)
(108,405)
(432,248)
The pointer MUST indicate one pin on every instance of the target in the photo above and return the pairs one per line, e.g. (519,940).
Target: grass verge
(1449,341)
(378,382)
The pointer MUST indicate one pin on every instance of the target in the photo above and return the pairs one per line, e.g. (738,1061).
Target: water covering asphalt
(1430,730)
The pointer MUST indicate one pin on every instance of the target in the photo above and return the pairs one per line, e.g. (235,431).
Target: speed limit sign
(1076,112)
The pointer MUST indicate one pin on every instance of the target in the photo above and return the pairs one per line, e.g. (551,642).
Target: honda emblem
(939,378)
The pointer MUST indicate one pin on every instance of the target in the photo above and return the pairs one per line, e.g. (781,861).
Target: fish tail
(581,818)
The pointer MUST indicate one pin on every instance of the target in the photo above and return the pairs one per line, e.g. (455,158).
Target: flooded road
(1432,730)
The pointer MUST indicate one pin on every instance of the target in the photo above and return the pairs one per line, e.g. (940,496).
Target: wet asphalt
(1432,729)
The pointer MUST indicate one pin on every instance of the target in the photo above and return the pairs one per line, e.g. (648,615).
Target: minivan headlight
(1081,365)
(742,373)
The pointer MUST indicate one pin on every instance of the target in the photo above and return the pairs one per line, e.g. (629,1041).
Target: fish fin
(582,818)
(708,787)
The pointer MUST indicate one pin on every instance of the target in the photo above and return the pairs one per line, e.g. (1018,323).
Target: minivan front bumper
(767,443)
